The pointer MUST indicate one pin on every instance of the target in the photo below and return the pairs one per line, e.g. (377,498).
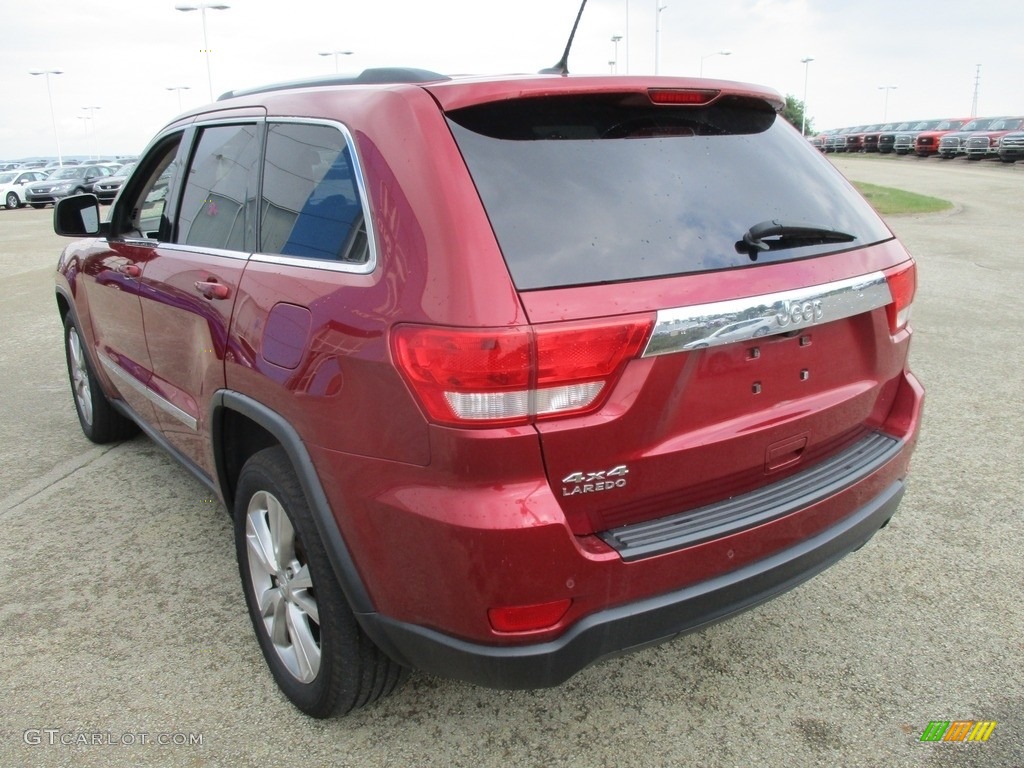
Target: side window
(217,206)
(141,213)
(311,205)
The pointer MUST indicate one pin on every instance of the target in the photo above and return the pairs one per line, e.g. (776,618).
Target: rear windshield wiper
(775,235)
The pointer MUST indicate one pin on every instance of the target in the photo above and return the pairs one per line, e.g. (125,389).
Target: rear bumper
(628,627)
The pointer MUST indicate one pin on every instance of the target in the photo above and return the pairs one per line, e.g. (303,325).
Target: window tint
(593,190)
(141,212)
(217,209)
(311,205)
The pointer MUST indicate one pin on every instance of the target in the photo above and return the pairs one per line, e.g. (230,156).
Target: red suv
(499,377)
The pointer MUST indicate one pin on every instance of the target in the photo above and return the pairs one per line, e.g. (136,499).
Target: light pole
(92,116)
(335,54)
(85,124)
(886,88)
(615,58)
(803,117)
(627,37)
(201,7)
(49,95)
(977,85)
(657,34)
(179,89)
(709,55)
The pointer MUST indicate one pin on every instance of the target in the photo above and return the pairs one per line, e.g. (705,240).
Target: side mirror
(77,216)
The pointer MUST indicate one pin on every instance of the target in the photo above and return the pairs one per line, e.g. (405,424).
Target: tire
(12,201)
(320,658)
(100,422)
(38,205)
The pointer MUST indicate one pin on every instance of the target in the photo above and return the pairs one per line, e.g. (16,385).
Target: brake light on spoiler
(682,96)
(512,376)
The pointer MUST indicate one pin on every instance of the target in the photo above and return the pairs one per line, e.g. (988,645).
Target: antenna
(562,67)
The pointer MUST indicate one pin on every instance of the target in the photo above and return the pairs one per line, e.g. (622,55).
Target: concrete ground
(125,640)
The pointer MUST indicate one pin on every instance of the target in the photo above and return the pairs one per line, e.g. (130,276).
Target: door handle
(132,270)
(211,289)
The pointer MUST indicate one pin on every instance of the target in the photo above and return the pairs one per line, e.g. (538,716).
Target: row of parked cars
(29,184)
(975,138)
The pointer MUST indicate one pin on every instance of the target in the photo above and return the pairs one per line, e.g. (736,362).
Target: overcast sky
(122,55)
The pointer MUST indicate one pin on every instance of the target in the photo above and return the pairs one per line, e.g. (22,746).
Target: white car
(742,330)
(12,186)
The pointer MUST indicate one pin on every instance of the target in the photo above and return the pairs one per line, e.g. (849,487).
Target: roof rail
(375,76)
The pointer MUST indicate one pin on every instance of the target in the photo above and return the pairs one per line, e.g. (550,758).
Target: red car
(855,140)
(870,140)
(499,376)
(927,142)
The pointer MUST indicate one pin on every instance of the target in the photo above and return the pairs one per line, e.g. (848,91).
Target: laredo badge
(592,482)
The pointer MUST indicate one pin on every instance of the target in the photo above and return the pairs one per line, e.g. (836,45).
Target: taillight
(509,376)
(902,282)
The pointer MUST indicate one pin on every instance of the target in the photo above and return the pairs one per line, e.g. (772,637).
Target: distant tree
(794,113)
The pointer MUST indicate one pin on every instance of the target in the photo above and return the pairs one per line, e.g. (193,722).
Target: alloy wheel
(282,586)
(80,375)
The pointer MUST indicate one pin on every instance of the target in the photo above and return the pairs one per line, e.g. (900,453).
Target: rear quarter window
(311,206)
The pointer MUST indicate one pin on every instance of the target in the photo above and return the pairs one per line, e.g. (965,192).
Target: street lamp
(92,116)
(49,94)
(201,7)
(657,34)
(85,124)
(803,118)
(709,55)
(886,88)
(179,89)
(335,54)
(615,58)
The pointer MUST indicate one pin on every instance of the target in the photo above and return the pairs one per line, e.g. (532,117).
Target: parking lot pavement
(125,639)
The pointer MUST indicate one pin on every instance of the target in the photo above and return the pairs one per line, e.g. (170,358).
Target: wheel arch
(242,426)
(63,305)
(66,306)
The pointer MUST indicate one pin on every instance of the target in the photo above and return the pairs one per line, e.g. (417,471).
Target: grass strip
(888,201)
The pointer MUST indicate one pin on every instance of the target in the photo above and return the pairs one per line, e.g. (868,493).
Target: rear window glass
(612,188)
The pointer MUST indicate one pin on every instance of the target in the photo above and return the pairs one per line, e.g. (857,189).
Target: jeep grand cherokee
(499,376)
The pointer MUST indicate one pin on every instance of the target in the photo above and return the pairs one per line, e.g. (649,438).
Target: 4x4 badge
(591,482)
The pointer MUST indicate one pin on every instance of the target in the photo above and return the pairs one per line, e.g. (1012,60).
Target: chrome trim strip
(199,249)
(726,322)
(164,405)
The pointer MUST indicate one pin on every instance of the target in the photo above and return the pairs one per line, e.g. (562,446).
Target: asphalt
(122,623)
